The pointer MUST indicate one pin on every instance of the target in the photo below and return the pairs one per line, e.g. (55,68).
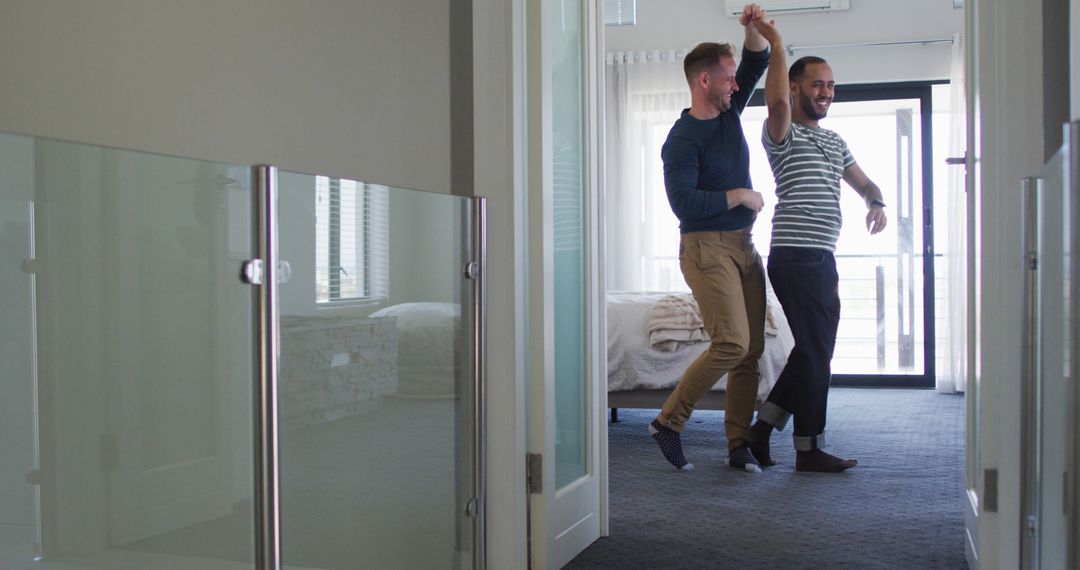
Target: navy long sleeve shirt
(705,159)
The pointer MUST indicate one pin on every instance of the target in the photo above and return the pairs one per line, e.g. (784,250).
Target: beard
(721,99)
(808,107)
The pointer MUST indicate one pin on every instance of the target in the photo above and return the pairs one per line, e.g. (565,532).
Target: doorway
(887,283)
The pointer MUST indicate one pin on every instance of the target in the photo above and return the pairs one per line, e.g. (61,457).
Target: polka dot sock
(670,445)
(741,458)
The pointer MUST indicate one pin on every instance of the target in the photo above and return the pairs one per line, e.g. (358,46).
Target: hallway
(900,508)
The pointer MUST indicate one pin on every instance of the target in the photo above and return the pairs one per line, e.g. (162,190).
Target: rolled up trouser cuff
(774,415)
(809,443)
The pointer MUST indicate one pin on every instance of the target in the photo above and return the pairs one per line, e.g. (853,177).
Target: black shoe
(741,458)
(670,445)
(817,461)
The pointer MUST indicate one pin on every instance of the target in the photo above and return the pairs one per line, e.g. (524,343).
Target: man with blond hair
(707,178)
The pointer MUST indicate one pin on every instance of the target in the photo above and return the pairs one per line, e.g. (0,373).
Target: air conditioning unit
(780,7)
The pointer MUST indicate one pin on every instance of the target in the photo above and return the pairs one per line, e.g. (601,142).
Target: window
(351,240)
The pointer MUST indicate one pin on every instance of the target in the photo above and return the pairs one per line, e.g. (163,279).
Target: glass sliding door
(375,408)
(128,360)
(886,281)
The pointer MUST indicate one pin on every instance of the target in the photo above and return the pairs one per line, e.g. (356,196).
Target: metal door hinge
(534,473)
(990,490)
(472,507)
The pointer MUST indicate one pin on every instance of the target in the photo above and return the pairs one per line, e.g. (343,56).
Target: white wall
(426,248)
(679,24)
(355,90)
(1009,71)
(359,90)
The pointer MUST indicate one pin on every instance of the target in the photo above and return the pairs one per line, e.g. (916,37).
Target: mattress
(633,364)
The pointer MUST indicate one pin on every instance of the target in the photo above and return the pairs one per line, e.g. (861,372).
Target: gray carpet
(901,507)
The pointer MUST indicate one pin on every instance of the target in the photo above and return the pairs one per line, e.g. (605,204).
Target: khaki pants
(725,275)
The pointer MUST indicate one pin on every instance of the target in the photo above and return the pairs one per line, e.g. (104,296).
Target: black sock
(758,441)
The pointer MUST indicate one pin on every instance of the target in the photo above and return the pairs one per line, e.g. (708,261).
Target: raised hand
(767,29)
(750,13)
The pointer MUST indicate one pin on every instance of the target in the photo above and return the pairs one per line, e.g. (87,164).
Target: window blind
(351,240)
(620,12)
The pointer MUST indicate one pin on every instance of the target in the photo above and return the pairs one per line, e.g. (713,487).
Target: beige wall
(352,89)
(679,24)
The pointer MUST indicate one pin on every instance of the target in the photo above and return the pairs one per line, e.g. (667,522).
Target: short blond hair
(706,56)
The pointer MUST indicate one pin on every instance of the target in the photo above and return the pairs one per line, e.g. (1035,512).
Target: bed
(642,376)
(639,375)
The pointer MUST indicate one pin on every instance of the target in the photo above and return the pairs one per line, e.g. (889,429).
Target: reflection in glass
(127,351)
(374,407)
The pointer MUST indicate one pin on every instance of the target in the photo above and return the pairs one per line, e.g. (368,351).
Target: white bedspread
(634,364)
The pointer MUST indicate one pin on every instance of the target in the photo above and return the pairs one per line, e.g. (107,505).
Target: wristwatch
(876,203)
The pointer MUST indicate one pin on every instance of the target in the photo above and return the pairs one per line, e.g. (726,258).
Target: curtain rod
(792,48)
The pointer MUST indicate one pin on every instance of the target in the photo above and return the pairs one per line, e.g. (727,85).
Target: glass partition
(125,403)
(129,350)
(1055,391)
(375,407)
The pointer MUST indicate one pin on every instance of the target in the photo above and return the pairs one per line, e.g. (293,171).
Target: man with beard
(707,178)
(808,163)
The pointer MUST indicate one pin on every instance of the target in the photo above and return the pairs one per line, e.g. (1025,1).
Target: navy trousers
(806,284)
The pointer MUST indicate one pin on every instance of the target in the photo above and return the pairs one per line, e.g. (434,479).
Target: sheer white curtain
(646,91)
(952,376)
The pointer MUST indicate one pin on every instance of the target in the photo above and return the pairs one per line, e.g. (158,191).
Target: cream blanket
(676,320)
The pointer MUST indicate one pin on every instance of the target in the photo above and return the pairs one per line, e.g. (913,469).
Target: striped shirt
(808,166)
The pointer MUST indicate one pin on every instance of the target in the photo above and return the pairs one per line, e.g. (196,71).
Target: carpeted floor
(901,507)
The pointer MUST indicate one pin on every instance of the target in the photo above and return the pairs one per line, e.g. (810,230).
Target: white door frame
(563,522)
(972,469)
(500,169)
(1007,70)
